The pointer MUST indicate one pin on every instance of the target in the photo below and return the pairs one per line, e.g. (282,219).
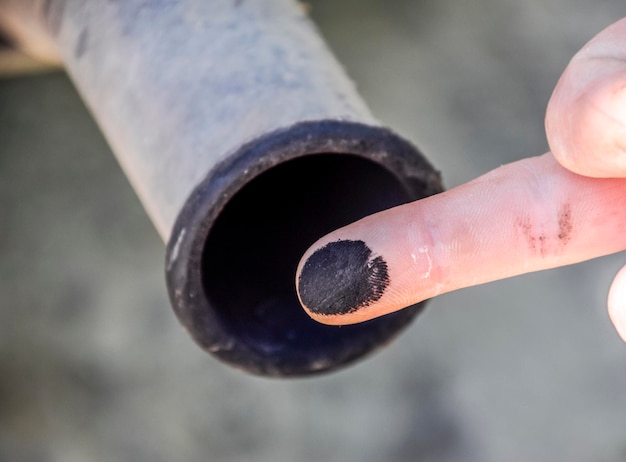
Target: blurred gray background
(94,366)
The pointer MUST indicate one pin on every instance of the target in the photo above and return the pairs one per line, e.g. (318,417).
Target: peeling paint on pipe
(245,142)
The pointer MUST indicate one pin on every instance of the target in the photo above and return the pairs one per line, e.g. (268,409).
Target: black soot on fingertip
(341,278)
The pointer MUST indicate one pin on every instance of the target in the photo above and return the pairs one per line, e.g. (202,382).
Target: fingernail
(342,277)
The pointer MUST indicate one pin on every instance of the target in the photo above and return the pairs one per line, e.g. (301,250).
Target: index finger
(526,216)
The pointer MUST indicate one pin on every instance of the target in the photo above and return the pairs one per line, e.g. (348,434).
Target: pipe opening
(252,250)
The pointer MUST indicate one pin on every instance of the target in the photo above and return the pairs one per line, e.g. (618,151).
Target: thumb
(617,303)
(586,116)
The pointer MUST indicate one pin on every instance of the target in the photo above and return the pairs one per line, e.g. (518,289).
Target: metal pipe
(245,142)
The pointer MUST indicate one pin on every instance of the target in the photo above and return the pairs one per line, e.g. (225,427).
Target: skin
(563,207)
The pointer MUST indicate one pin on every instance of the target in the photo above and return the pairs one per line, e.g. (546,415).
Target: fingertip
(337,278)
(617,303)
(586,115)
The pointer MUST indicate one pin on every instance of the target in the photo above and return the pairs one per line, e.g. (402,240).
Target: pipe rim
(186,246)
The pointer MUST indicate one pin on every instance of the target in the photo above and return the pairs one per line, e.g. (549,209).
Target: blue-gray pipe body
(245,142)
(176,85)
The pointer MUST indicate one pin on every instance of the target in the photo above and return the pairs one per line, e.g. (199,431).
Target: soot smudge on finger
(342,277)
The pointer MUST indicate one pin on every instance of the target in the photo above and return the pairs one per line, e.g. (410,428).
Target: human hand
(563,207)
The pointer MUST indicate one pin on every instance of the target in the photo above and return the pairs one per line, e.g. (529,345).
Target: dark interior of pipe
(254,246)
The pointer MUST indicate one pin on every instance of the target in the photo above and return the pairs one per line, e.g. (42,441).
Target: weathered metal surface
(201,102)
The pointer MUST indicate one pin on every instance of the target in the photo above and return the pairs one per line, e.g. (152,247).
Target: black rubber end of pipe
(233,252)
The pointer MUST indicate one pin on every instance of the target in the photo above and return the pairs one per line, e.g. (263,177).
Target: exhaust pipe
(245,142)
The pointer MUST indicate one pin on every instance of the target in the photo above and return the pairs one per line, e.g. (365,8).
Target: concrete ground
(94,366)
